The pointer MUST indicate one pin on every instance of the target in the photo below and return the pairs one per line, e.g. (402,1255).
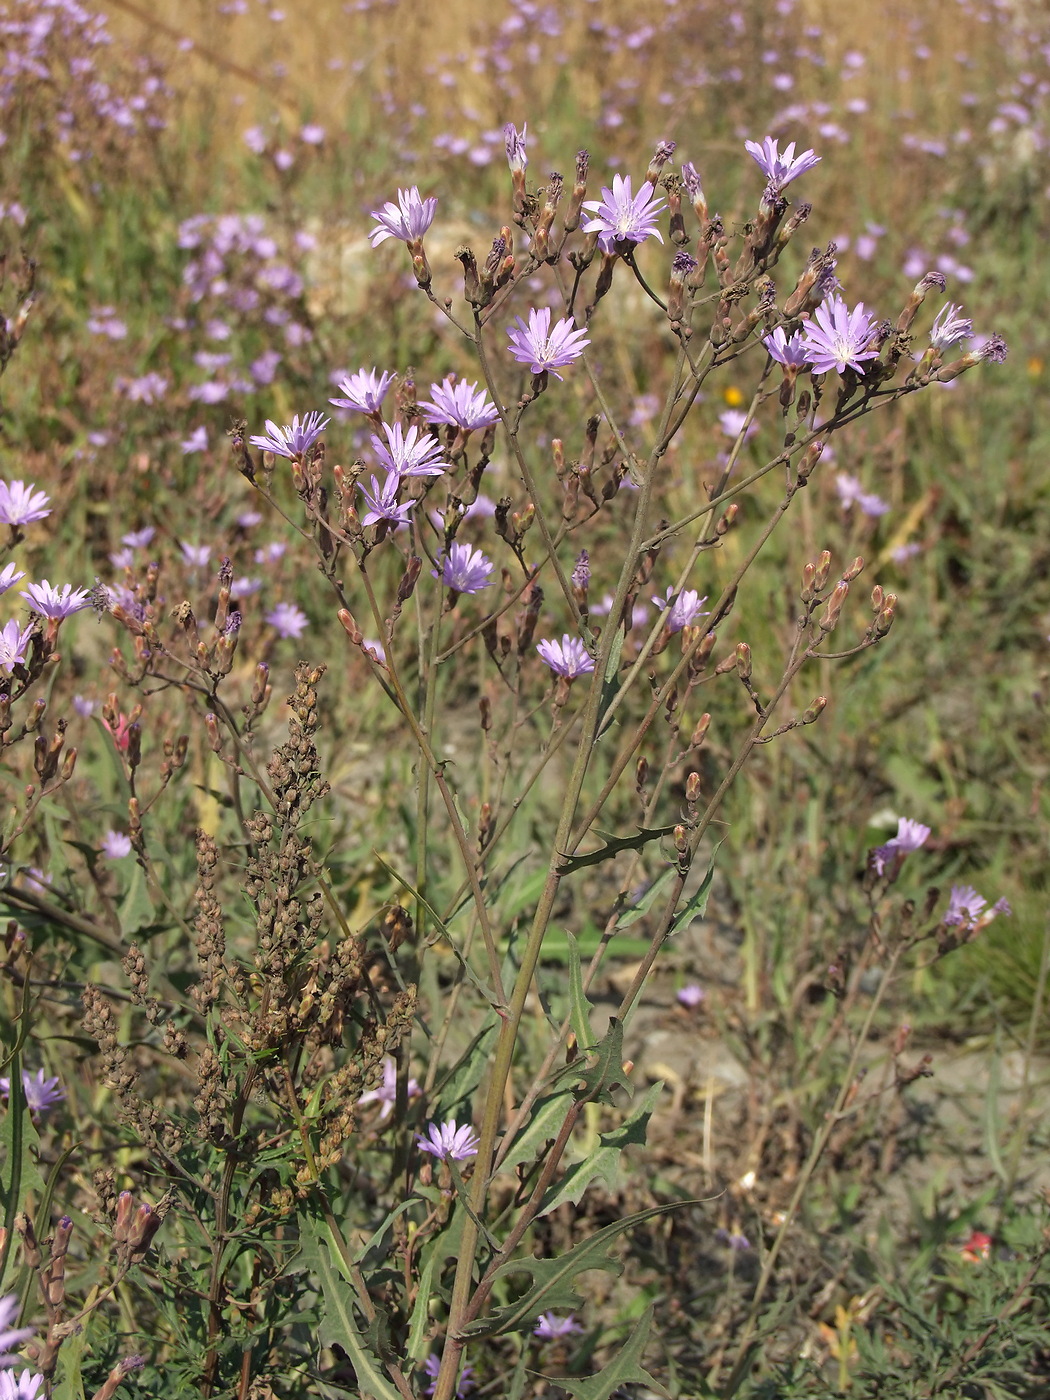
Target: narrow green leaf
(579,1007)
(641,907)
(136,908)
(614,846)
(696,906)
(625,1368)
(339,1323)
(610,681)
(604,1160)
(547,1118)
(552,1279)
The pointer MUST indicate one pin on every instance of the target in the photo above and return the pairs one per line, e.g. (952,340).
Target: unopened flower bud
(144,1226)
(692,789)
(727,519)
(641,773)
(808,461)
(703,724)
(815,710)
(823,568)
(743,660)
(829,620)
(68,764)
(884,621)
(877,598)
(211,724)
(854,569)
(681,839)
(125,1211)
(809,573)
(406,587)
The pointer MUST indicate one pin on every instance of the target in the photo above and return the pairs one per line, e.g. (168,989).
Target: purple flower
(910,836)
(408,220)
(581,573)
(851,492)
(291,441)
(449,1141)
(196,555)
(462,404)
(685,607)
(365,391)
(409,453)
(840,336)
(19,503)
(14,642)
(41,1095)
(791,352)
(386,1094)
(548,1326)
(464,569)
(196,442)
(994,350)
(735,1241)
(966,906)
(949,327)
(515,143)
(116,845)
(55,602)
(382,502)
(138,539)
(568,658)
(692,994)
(779,169)
(312,134)
(10,576)
(732,422)
(542,347)
(623,217)
(287,620)
(11,1336)
(432,1366)
(25,1387)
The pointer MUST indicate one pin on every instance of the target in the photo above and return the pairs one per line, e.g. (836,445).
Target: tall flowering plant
(515,539)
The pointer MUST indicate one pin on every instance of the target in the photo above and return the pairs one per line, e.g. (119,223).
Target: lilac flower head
(138,539)
(365,391)
(11,1336)
(196,442)
(449,1140)
(840,337)
(432,1366)
(464,569)
(196,555)
(581,574)
(10,575)
(41,1093)
(515,142)
(382,502)
(409,453)
(14,643)
(692,994)
(790,352)
(116,845)
(910,836)
(27,1386)
(56,602)
(967,907)
(386,1093)
(621,216)
(851,492)
(685,607)
(408,219)
(779,169)
(287,620)
(691,180)
(462,404)
(549,1326)
(568,658)
(19,503)
(949,327)
(543,347)
(291,441)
